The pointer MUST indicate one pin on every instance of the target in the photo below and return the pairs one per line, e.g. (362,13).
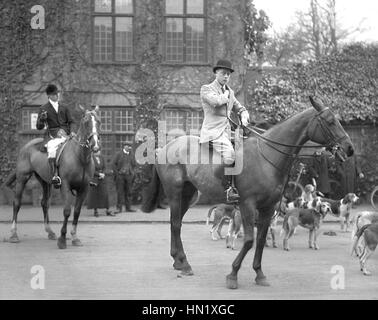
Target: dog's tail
(357,237)
(209,214)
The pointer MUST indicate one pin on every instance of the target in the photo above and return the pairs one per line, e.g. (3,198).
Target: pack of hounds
(307,211)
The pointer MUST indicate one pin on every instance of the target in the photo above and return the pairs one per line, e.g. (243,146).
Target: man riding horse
(218,101)
(57,120)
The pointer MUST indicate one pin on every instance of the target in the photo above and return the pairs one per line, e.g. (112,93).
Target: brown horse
(266,161)
(76,167)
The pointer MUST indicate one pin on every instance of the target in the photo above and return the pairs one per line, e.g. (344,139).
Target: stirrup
(56,181)
(232,195)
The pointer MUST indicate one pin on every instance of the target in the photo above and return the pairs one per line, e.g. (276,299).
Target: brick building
(112,50)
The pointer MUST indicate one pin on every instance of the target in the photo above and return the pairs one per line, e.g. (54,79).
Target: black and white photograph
(188,154)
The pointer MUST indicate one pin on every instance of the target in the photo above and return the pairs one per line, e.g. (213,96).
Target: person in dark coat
(98,194)
(319,170)
(123,168)
(348,172)
(57,120)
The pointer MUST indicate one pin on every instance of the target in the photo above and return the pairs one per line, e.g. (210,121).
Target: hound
(223,213)
(342,208)
(363,218)
(369,241)
(308,218)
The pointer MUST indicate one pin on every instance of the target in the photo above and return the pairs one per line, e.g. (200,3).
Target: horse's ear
(97,108)
(81,108)
(316,104)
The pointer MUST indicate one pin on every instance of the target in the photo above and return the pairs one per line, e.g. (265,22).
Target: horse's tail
(150,193)
(209,214)
(9,180)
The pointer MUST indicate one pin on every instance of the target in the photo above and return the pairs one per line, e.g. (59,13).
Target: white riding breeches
(224,146)
(52,146)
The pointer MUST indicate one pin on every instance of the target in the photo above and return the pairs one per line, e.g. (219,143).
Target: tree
(314,34)
(256,23)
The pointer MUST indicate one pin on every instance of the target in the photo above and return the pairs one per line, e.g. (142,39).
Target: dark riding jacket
(55,121)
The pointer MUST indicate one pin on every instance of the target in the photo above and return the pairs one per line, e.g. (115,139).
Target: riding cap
(51,89)
(223,64)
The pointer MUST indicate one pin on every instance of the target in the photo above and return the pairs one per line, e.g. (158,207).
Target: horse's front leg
(78,203)
(248,212)
(62,244)
(310,237)
(265,216)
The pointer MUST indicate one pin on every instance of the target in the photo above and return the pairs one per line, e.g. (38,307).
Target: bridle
(85,142)
(333,142)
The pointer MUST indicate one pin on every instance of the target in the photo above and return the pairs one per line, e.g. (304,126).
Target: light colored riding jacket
(216,110)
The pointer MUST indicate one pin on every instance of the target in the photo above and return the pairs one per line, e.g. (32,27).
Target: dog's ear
(346,199)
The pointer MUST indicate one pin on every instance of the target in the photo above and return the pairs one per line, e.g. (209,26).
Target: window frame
(184,16)
(113,15)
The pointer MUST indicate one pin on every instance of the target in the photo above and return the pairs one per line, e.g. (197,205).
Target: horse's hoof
(286,249)
(232,282)
(177,265)
(77,243)
(62,243)
(52,236)
(316,248)
(274,245)
(367,273)
(262,282)
(14,238)
(185,273)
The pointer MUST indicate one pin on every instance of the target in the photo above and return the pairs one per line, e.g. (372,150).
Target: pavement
(197,214)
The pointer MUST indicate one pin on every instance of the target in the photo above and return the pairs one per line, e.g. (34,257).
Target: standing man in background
(123,168)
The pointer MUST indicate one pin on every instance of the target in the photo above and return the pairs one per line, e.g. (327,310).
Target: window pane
(174,120)
(124,39)
(195,46)
(123,120)
(121,139)
(174,40)
(174,6)
(107,147)
(106,120)
(195,119)
(194,6)
(102,39)
(103,6)
(124,6)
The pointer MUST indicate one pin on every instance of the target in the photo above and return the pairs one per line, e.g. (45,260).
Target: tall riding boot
(56,181)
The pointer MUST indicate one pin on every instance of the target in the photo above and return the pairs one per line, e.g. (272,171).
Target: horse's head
(90,130)
(327,130)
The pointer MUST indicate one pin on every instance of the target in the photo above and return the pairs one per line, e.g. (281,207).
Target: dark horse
(76,167)
(266,161)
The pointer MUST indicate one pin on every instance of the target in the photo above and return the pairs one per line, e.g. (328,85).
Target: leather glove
(43,115)
(72,135)
(244,117)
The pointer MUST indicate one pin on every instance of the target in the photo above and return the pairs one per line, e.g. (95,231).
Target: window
(180,122)
(116,128)
(185,31)
(113,31)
